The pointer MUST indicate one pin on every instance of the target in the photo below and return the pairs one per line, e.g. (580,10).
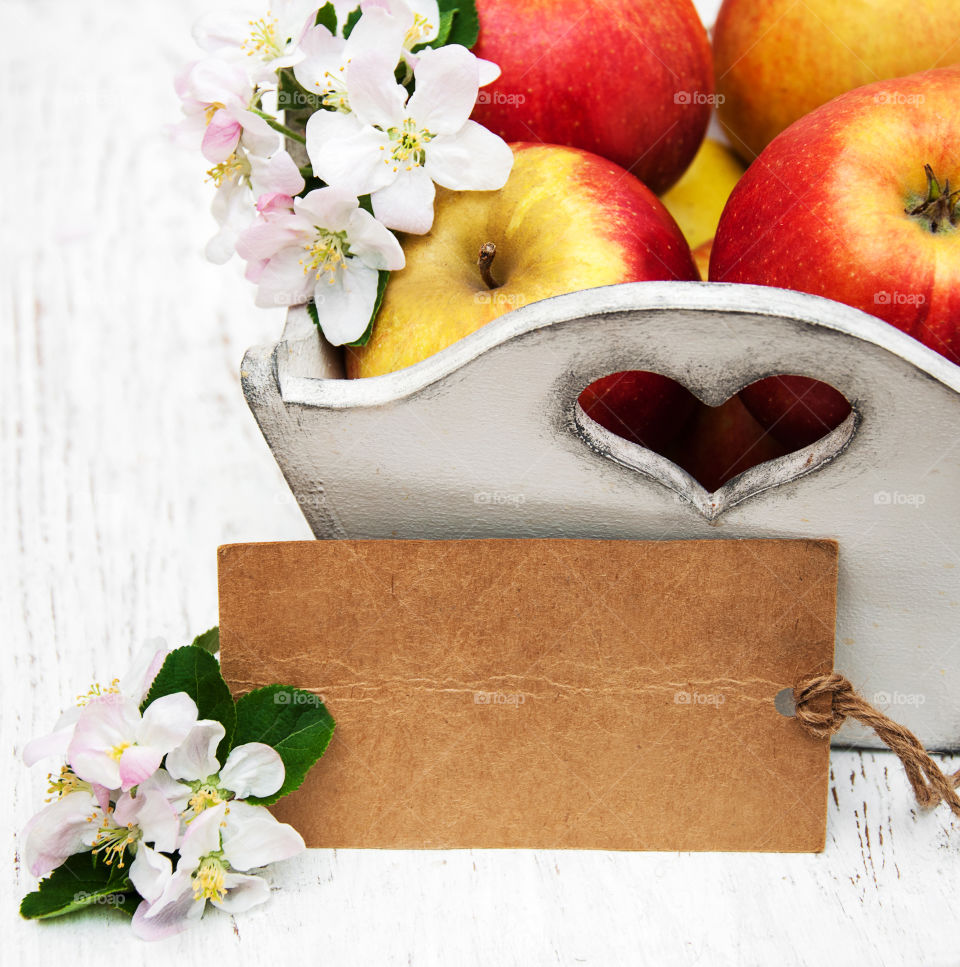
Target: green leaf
(194,670)
(82,881)
(294,722)
(293,97)
(466,24)
(443,30)
(327,17)
(351,22)
(209,640)
(382,279)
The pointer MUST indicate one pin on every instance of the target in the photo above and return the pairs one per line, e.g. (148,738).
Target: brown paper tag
(544,693)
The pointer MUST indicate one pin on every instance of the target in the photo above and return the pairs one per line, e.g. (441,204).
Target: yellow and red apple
(851,202)
(777,60)
(565,220)
(630,80)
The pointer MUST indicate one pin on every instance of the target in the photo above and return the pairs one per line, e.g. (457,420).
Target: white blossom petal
(167,721)
(57,832)
(55,742)
(407,204)
(196,757)
(243,892)
(149,872)
(252,769)
(475,159)
(172,912)
(375,96)
(328,208)
(448,81)
(347,154)
(345,308)
(373,243)
(253,837)
(283,281)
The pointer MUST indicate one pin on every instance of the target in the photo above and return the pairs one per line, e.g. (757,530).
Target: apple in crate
(777,60)
(631,80)
(565,220)
(852,202)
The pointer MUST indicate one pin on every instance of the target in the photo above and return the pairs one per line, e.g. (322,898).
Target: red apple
(642,407)
(797,410)
(840,205)
(630,80)
(722,441)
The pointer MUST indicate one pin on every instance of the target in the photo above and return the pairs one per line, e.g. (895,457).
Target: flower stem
(487,254)
(282,128)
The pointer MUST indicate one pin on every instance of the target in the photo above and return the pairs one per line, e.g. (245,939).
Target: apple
(697,200)
(630,80)
(851,203)
(565,220)
(722,442)
(797,410)
(645,408)
(777,60)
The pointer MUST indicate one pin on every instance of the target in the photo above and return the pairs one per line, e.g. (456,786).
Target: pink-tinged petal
(243,892)
(448,80)
(149,872)
(253,837)
(102,794)
(57,832)
(138,763)
(258,137)
(345,308)
(264,238)
(374,94)
(143,669)
(283,281)
(374,244)
(254,270)
(275,203)
(328,208)
(214,80)
(196,756)
(172,913)
(277,174)
(176,793)
(407,204)
(157,818)
(106,724)
(347,154)
(252,769)
(475,159)
(202,836)
(221,137)
(54,743)
(167,721)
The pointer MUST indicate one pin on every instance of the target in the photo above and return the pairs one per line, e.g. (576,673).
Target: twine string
(929,783)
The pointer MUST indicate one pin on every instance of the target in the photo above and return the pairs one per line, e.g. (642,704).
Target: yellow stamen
(208,880)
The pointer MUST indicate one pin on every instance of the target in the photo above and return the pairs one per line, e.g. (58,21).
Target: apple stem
(487,254)
(940,205)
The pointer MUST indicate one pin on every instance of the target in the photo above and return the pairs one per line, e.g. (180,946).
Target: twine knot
(930,785)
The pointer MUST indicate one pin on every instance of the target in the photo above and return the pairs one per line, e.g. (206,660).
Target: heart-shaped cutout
(773,431)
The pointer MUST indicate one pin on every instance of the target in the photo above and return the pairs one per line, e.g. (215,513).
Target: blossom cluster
(328,129)
(145,800)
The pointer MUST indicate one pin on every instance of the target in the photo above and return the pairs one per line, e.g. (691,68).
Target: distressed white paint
(128,455)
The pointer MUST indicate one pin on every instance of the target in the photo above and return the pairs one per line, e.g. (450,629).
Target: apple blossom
(326,56)
(134,684)
(215,854)
(251,769)
(327,249)
(271,41)
(117,747)
(218,99)
(240,181)
(59,830)
(394,148)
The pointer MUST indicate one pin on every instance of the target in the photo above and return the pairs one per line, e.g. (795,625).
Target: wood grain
(128,455)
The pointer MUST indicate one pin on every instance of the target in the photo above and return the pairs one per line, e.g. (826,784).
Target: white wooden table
(128,455)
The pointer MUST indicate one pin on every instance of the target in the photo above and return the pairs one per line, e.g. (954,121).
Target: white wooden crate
(486,439)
